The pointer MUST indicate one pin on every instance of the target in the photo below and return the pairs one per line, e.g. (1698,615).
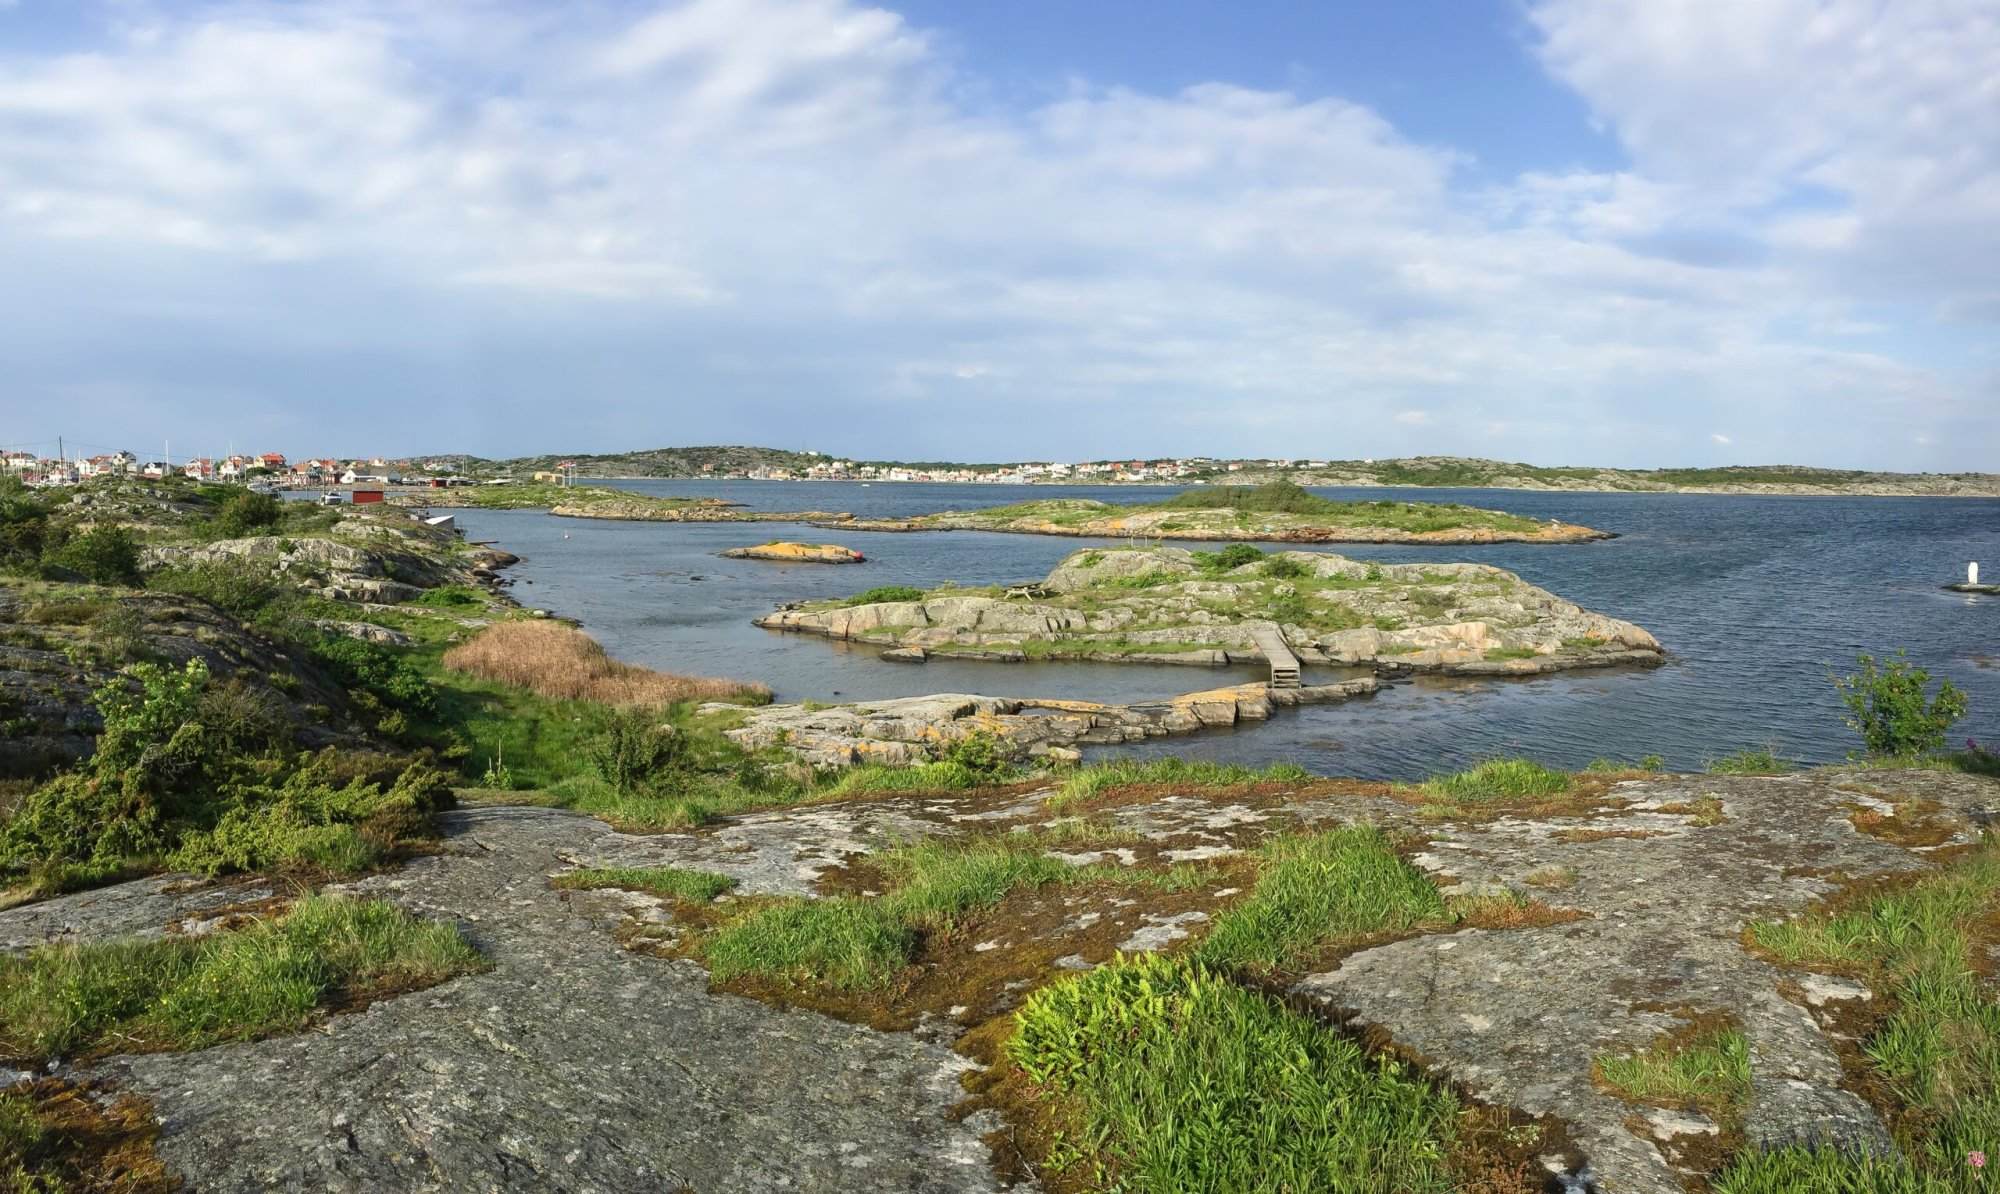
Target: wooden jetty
(1284,665)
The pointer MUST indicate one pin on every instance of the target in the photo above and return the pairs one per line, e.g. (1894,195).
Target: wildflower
(1976,1159)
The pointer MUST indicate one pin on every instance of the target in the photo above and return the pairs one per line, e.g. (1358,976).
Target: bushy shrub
(636,752)
(1285,568)
(239,587)
(377,670)
(24,525)
(980,754)
(1234,556)
(1889,705)
(105,555)
(196,774)
(243,513)
(313,818)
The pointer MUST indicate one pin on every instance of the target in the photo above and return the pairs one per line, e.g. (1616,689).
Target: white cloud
(1722,439)
(752,210)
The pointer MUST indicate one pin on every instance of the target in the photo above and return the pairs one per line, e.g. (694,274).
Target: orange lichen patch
(1577,836)
(1705,811)
(235,916)
(1260,795)
(1511,911)
(87,1137)
(797,553)
(1911,824)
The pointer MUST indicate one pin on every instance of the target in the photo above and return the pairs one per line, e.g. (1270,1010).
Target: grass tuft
(1181,1080)
(1098,778)
(694,887)
(1710,1071)
(178,993)
(846,944)
(1498,779)
(1760,761)
(937,882)
(1937,1050)
(1318,889)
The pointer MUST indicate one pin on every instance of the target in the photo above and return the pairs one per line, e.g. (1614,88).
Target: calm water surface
(1756,599)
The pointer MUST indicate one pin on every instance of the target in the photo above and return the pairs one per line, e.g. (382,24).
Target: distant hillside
(1457,471)
(664,462)
(1419,471)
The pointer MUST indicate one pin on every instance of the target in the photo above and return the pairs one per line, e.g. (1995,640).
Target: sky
(1618,232)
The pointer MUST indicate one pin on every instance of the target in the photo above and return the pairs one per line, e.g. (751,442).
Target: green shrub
(1181,1080)
(105,555)
(452,597)
(240,587)
(195,774)
(635,751)
(378,670)
(1887,705)
(243,513)
(1234,556)
(24,525)
(979,753)
(1286,568)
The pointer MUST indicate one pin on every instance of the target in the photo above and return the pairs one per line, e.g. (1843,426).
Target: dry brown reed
(563,663)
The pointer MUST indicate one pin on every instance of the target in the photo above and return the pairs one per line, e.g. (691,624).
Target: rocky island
(795,553)
(1171,605)
(1279,512)
(601,501)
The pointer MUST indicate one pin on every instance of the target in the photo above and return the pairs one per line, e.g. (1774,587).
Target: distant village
(275,470)
(1184,469)
(271,468)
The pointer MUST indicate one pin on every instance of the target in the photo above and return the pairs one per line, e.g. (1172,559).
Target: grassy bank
(70,1000)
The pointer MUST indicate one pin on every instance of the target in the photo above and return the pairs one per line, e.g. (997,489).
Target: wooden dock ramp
(1284,665)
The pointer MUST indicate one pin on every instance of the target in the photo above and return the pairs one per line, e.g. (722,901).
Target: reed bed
(563,663)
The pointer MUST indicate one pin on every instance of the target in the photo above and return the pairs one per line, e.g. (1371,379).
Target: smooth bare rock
(367,632)
(572,1065)
(919,729)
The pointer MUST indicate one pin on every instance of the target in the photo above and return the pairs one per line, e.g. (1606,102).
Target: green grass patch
(847,944)
(1801,1170)
(1497,780)
(177,993)
(1495,654)
(937,882)
(1099,778)
(1177,1079)
(1937,1050)
(1710,1071)
(884,593)
(678,883)
(1749,762)
(1316,890)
